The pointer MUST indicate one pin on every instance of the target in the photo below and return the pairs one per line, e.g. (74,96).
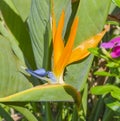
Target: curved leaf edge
(70,91)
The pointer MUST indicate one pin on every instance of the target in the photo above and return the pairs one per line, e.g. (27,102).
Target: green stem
(59,114)
(75,113)
(97,110)
(5,114)
(108,115)
(48,112)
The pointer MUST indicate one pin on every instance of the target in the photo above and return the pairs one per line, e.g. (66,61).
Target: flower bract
(64,54)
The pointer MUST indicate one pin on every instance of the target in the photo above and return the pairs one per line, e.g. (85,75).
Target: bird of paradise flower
(64,55)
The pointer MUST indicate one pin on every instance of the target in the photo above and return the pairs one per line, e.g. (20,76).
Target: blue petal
(51,76)
(41,72)
(38,73)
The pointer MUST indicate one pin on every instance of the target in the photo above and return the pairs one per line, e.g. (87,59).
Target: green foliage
(10,74)
(91,21)
(113,104)
(40,33)
(117,2)
(28,115)
(100,90)
(18,28)
(39,25)
(46,93)
(4,114)
(26,42)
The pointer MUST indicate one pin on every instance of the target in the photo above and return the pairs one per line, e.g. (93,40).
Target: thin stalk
(59,114)
(75,114)
(97,110)
(108,115)
(48,113)
(5,114)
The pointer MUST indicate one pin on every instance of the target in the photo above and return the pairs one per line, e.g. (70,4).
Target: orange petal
(81,51)
(53,21)
(58,44)
(53,26)
(59,68)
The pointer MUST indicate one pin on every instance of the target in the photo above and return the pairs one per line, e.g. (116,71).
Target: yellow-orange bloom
(65,54)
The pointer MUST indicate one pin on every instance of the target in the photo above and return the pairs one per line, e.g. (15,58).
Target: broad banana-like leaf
(77,73)
(13,19)
(39,26)
(11,79)
(92,16)
(40,32)
(23,8)
(54,92)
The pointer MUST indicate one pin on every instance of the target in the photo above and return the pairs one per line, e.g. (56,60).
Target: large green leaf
(56,92)
(76,74)
(17,26)
(92,15)
(38,22)
(11,79)
(23,7)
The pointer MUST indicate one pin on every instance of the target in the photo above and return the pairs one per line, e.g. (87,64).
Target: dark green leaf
(4,114)
(23,8)
(113,104)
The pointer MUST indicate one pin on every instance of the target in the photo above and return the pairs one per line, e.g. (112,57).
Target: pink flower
(113,44)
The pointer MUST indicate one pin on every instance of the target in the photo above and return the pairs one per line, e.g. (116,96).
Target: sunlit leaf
(56,92)
(104,73)
(11,79)
(23,7)
(99,90)
(117,2)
